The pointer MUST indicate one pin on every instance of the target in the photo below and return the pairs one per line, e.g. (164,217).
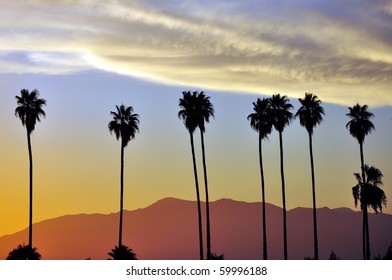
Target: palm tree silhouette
(282,117)
(368,192)
(359,126)
(125,124)
(29,111)
(188,113)
(310,115)
(261,122)
(205,110)
(122,253)
(24,252)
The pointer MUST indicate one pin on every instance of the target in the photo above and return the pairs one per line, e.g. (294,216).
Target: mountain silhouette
(167,229)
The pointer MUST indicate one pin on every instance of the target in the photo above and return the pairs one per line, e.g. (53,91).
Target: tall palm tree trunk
(265,255)
(207,198)
(198,197)
(365,225)
(31,191)
(121,196)
(283,196)
(315,239)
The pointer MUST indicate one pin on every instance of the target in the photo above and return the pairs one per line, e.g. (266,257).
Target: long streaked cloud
(341,50)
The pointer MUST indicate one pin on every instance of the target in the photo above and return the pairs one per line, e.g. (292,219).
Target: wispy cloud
(341,50)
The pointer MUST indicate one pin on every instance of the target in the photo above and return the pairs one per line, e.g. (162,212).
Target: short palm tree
(29,111)
(188,114)
(122,253)
(359,126)
(261,122)
(124,125)
(369,194)
(280,110)
(205,110)
(310,115)
(24,252)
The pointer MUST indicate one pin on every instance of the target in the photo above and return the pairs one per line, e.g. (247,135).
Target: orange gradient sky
(85,59)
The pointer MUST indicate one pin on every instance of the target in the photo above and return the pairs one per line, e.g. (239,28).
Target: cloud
(341,50)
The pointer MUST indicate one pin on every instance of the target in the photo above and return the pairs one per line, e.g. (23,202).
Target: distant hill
(168,230)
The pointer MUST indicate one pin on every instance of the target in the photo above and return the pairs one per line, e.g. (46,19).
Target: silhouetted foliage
(310,115)
(261,121)
(122,253)
(189,115)
(281,117)
(333,256)
(125,125)
(214,256)
(359,126)
(29,111)
(24,252)
(369,193)
(388,254)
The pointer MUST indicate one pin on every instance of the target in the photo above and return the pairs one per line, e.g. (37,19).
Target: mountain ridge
(167,229)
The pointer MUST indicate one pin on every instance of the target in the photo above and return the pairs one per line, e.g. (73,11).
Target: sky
(86,57)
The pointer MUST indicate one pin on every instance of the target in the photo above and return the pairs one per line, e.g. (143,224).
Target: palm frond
(310,113)
(29,109)
(124,124)
(281,107)
(360,125)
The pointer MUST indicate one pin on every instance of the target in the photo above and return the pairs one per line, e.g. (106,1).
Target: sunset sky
(85,57)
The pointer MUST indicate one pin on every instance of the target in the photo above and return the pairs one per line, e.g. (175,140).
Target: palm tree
(122,253)
(310,115)
(280,110)
(29,111)
(359,126)
(125,124)
(205,110)
(369,193)
(24,252)
(261,122)
(188,114)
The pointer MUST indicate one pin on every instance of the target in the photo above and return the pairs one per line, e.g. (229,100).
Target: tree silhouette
(189,115)
(359,126)
(333,256)
(125,124)
(24,252)
(261,122)
(122,253)
(29,111)
(369,193)
(388,254)
(310,115)
(205,110)
(282,117)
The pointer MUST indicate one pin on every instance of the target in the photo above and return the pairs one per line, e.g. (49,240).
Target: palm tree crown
(196,109)
(204,110)
(260,119)
(188,112)
(29,108)
(310,113)
(360,124)
(125,124)
(281,107)
(369,193)
(122,253)
(24,252)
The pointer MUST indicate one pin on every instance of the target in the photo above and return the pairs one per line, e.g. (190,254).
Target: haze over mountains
(168,230)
